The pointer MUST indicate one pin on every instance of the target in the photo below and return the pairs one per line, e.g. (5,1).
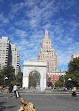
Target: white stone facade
(4,52)
(15,58)
(74,56)
(9,54)
(39,66)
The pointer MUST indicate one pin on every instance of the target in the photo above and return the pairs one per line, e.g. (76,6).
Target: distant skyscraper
(15,58)
(47,53)
(9,54)
(4,51)
(74,56)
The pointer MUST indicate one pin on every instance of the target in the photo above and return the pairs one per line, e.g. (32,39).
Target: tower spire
(46,34)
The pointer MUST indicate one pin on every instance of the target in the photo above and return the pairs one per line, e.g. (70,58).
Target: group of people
(13,88)
(16,93)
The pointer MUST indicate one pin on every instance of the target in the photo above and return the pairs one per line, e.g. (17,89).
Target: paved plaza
(43,102)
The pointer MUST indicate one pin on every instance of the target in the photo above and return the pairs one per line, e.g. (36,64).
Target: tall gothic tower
(47,53)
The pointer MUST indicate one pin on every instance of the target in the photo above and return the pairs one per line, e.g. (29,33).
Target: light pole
(63,81)
(69,80)
(5,78)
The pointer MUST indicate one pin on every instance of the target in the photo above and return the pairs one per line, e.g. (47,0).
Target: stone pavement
(8,103)
(43,102)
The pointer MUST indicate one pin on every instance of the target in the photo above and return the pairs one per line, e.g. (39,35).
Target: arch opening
(34,79)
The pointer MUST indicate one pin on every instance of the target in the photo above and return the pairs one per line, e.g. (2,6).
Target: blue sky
(24,23)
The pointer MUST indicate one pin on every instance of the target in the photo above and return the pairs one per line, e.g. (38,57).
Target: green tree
(73,72)
(60,82)
(19,78)
(34,78)
(8,72)
(49,82)
(49,79)
(1,77)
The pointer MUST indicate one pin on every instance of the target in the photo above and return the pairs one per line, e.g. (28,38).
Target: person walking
(74,91)
(10,89)
(15,89)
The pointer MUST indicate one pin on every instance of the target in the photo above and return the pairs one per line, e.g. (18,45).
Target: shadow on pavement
(1,96)
(2,107)
(11,106)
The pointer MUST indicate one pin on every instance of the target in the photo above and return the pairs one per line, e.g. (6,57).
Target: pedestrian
(0,88)
(15,89)
(74,91)
(10,89)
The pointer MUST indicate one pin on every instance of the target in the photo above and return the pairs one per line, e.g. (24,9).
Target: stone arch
(39,66)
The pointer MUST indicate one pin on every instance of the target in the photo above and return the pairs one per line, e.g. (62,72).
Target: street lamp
(63,81)
(69,81)
(5,78)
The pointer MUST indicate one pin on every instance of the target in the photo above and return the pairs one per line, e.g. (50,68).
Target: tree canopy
(1,77)
(73,72)
(60,82)
(8,72)
(34,78)
(19,78)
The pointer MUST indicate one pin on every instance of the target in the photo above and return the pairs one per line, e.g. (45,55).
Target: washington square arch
(38,66)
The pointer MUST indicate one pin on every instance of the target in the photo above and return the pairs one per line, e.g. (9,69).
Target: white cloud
(3,20)
(66,4)
(64,53)
(33,23)
(16,7)
(1,1)
(2,32)
(20,33)
(22,23)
